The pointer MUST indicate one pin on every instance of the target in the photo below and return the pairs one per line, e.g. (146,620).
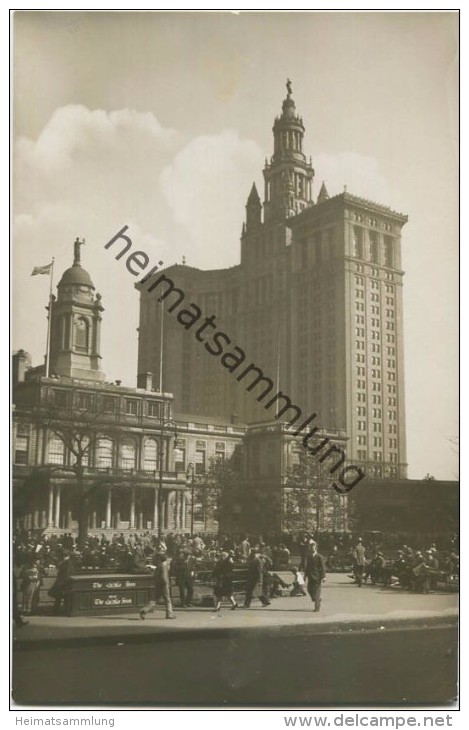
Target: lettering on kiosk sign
(112,585)
(113,599)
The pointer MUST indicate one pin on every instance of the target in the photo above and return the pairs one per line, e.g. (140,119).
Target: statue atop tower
(76,251)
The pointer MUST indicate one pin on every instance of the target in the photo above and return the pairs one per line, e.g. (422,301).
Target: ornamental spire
(323,194)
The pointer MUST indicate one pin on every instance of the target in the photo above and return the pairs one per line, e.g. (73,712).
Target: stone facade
(129,428)
(282,488)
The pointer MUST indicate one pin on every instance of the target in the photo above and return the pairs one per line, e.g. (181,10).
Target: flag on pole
(42,269)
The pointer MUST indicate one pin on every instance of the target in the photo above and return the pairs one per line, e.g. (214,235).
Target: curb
(159,634)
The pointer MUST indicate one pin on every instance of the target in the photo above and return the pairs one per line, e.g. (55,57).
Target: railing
(135,473)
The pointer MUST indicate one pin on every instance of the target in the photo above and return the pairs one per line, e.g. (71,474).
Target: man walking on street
(162,586)
(255,579)
(64,572)
(315,572)
(182,567)
(359,561)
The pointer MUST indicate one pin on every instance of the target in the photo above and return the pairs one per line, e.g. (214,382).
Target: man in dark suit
(359,562)
(255,579)
(162,586)
(315,572)
(182,567)
(59,589)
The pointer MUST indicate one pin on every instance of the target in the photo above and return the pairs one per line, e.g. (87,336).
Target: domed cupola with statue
(76,324)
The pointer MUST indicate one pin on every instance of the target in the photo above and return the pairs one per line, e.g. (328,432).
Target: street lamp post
(167,426)
(190,471)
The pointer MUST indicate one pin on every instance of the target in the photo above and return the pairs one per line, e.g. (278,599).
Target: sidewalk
(345,608)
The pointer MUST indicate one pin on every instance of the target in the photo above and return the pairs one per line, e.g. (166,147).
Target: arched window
(81,333)
(56,450)
(150,455)
(104,453)
(128,454)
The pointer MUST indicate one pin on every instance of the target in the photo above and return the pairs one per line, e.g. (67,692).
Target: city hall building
(131,442)
(127,439)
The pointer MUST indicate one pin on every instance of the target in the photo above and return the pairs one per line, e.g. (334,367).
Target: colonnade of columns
(140,511)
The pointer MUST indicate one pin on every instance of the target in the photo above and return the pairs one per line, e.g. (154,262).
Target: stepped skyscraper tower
(315,303)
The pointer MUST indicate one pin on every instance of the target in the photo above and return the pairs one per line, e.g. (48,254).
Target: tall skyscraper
(315,304)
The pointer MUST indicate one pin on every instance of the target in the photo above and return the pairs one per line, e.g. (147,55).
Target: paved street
(397,666)
(367,645)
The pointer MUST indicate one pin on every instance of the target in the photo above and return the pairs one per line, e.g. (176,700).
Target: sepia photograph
(234,375)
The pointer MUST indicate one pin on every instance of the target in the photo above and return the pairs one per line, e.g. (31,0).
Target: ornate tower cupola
(288,177)
(76,324)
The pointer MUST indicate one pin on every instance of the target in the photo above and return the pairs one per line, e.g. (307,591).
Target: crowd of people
(271,569)
(261,582)
(418,570)
(130,553)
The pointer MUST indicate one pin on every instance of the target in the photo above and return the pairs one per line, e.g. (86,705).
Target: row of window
(108,403)
(375,272)
(376,400)
(376,335)
(375,310)
(376,387)
(375,347)
(392,429)
(377,425)
(106,456)
(372,251)
(377,441)
(360,281)
(375,373)
(359,217)
(376,412)
(377,456)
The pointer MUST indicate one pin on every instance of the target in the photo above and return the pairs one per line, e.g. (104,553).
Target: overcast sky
(162,122)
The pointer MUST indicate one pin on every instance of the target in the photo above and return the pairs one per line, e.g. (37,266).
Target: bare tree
(307,488)
(79,430)
(215,489)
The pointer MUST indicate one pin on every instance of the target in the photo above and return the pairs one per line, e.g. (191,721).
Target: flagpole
(161,349)
(49,318)
(278,369)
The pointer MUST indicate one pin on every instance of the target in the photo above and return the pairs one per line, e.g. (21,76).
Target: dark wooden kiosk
(88,594)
